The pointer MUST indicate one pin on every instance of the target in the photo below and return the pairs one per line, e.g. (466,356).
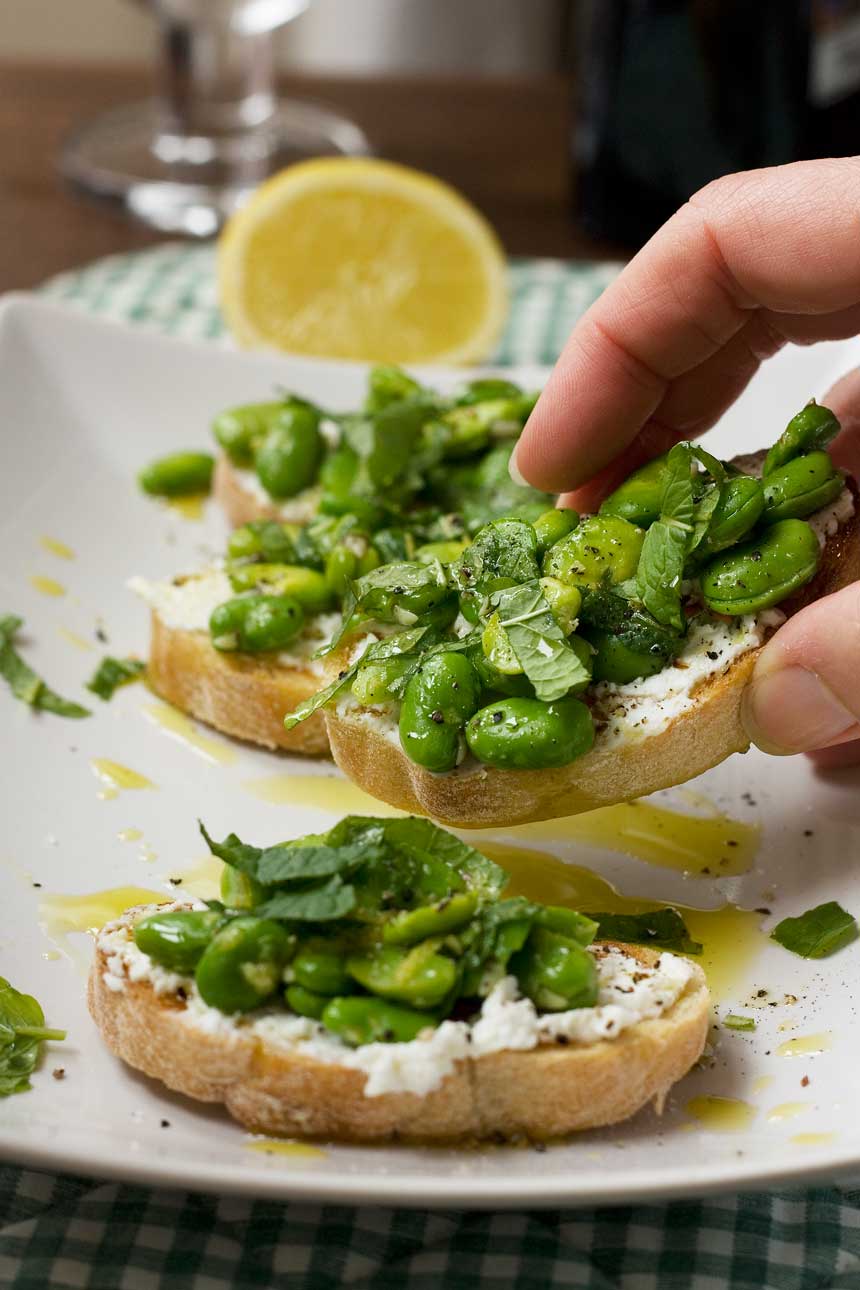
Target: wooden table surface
(503,143)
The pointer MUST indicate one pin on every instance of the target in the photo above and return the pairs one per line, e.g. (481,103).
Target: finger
(843,398)
(837,757)
(745,242)
(803,693)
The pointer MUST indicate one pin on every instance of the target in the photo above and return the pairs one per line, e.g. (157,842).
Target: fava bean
(255,623)
(410,926)
(614,659)
(242,966)
(305,1003)
(639,498)
(307,586)
(736,513)
(437,703)
(349,560)
(800,487)
(498,650)
(388,384)
(810,430)
(182,474)
(762,572)
(528,734)
(552,526)
(600,547)
(321,969)
(416,976)
(555,972)
(239,431)
(557,918)
(564,600)
(376,683)
(176,939)
(288,459)
(361,1020)
(488,387)
(445,552)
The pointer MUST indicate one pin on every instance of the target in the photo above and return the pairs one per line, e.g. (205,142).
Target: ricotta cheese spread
(829,519)
(300,509)
(628,993)
(186,604)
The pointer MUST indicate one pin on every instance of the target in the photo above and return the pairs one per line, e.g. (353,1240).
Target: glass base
(191,184)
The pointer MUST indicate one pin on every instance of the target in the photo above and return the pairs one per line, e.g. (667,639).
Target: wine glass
(185,160)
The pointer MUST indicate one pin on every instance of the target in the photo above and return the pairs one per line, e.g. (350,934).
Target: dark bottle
(674,93)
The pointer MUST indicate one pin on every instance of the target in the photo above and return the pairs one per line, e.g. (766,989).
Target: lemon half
(361,259)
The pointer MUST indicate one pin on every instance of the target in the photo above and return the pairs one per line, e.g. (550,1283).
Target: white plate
(82,406)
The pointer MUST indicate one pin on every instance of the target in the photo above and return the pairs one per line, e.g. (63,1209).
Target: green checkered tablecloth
(63,1232)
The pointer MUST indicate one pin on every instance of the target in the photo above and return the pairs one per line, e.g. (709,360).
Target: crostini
(597,661)
(373,984)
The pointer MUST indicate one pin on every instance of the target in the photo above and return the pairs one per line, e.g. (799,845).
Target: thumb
(805,689)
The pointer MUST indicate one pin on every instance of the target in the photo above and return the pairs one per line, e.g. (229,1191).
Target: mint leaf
(538,641)
(320,904)
(662,928)
(23,681)
(664,551)
(817,933)
(401,643)
(111,673)
(22,1033)
(503,549)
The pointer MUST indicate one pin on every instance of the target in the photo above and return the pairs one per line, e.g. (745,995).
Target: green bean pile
(493,647)
(378,929)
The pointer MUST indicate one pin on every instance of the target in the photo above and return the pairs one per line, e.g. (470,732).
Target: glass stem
(217,83)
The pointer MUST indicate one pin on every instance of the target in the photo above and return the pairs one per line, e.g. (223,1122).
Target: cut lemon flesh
(362,259)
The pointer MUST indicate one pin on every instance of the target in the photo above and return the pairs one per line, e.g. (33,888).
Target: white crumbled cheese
(627,994)
(186,604)
(825,522)
(643,708)
(382,718)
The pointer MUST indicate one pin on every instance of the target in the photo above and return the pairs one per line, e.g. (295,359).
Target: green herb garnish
(817,933)
(663,928)
(22,1032)
(538,641)
(111,673)
(733,1021)
(23,681)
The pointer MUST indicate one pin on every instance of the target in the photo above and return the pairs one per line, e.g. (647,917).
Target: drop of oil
(116,776)
(721,1114)
(62,918)
(74,639)
(47,586)
(190,508)
(130,835)
(806,1045)
(181,727)
(57,548)
(283,1147)
(326,792)
(787,1111)
(812,1139)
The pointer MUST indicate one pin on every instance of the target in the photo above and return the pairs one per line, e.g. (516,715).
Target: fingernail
(515,472)
(791,710)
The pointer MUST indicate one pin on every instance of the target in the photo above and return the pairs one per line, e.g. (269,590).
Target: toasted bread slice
(240,694)
(477,796)
(540,1093)
(241,505)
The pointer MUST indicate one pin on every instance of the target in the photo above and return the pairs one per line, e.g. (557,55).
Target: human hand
(751,262)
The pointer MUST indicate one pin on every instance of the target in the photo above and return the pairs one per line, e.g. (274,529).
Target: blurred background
(577,126)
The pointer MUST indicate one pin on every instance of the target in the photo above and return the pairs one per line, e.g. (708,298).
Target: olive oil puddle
(721,1114)
(74,639)
(189,508)
(702,846)
(806,1045)
(786,1111)
(64,917)
(812,1139)
(182,728)
(731,937)
(325,792)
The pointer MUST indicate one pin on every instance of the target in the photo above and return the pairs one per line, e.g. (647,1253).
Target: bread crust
(476,796)
(239,694)
(241,506)
(542,1093)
